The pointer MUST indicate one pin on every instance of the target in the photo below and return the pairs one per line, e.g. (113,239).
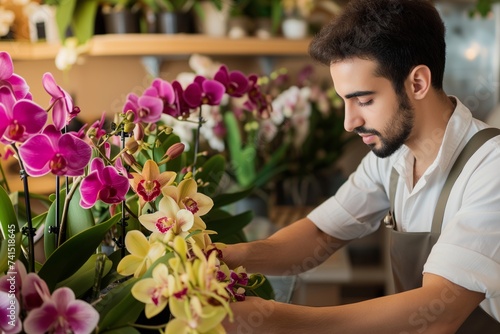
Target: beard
(397,130)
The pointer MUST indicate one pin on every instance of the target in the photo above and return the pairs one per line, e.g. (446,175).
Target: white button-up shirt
(468,250)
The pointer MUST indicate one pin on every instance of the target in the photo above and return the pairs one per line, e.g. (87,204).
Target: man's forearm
(293,249)
(437,308)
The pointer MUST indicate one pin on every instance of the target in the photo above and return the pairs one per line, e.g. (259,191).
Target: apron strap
(470,148)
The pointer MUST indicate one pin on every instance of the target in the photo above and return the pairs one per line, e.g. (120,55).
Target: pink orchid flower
(63,110)
(14,82)
(204,91)
(146,108)
(62,313)
(51,151)
(165,91)
(236,82)
(103,183)
(19,119)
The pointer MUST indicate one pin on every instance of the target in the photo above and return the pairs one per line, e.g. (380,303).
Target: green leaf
(82,280)
(7,256)
(228,198)
(211,172)
(229,225)
(119,299)
(64,16)
(122,330)
(84,20)
(119,308)
(79,219)
(73,253)
(264,290)
(8,220)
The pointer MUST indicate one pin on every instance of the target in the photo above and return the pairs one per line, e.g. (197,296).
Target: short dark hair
(397,34)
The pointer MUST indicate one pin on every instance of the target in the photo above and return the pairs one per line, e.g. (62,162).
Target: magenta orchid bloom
(63,110)
(182,108)
(146,108)
(19,119)
(103,183)
(16,84)
(235,82)
(51,151)
(204,91)
(62,313)
(257,101)
(165,91)
(97,128)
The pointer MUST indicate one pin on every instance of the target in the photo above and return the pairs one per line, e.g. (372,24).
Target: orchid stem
(197,141)
(124,218)
(29,231)
(55,230)
(62,227)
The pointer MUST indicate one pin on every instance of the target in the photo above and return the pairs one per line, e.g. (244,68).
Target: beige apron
(409,250)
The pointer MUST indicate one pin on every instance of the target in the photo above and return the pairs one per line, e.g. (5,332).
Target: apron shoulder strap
(470,148)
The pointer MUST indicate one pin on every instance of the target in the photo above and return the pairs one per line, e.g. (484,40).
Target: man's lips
(368,138)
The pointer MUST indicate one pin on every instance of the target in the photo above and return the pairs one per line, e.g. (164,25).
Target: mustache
(361,130)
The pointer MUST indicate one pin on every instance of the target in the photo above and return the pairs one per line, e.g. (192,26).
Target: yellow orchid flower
(187,197)
(142,254)
(191,316)
(155,291)
(149,183)
(169,219)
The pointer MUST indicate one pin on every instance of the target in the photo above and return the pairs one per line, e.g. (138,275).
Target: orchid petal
(184,219)
(36,153)
(76,151)
(149,220)
(7,67)
(129,264)
(214,90)
(89,190)
(40,320)
(137,244)
(168,206)
(155,107)
(150,171)
(30,115)
(34,292)
(192,95)
(80,317)
(20,87)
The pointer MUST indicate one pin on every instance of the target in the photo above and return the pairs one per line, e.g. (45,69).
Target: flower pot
(121,22)
(294,28)
(173,23)
(214,22)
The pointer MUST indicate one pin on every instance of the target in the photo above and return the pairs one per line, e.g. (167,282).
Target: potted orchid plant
(134,229)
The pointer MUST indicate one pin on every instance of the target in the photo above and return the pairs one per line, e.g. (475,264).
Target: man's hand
(250,316)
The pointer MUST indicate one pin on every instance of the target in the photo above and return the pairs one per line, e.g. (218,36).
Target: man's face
(373,110)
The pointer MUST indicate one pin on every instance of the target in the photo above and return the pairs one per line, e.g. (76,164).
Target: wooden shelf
(165,45)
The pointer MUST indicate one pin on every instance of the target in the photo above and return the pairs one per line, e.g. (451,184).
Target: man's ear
(419,80)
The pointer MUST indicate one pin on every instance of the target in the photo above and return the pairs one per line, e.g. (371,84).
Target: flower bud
(139,132)
(132,146)
(168,130)
(174,151)
(130,116)
(129,159)
(129,127)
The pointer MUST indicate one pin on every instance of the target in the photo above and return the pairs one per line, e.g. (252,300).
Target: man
(386,60)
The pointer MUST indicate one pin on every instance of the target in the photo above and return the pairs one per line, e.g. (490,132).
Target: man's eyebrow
(359,93)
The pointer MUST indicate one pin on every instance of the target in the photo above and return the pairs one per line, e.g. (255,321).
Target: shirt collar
(454,135)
